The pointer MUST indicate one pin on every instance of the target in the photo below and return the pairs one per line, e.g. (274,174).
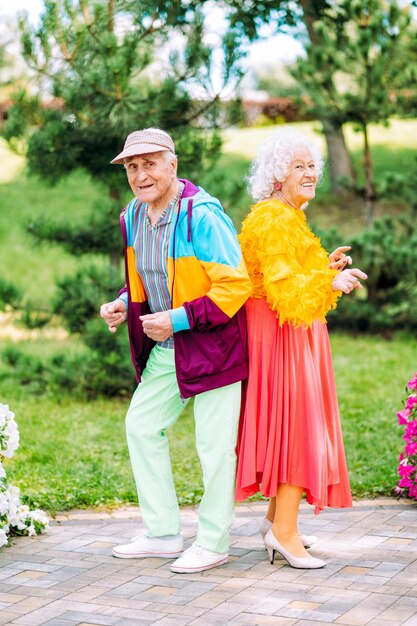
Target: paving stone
(367,609)
(90,618)
(314,616)
(313,622)
(176,609)
(60,622)
(70,577)
(196,589)
(226,611)
(210,599)
(174,620)
(268,605)
(401,610)
(52,593)
(128,590)
(11,598)
(126,621)
(382,622)
(244,619)
(172,581)
(86,594)
(7,617)
(117,603)
(30,604)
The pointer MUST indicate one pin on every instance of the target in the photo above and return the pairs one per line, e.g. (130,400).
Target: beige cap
(143,142)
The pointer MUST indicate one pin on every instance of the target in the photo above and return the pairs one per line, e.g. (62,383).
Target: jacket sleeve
(297,281)
(217,250)
(122,295)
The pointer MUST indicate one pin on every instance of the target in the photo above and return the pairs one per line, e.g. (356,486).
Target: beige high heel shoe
(299,562)
(306,540)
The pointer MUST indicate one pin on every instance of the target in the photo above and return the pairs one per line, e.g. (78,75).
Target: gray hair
(274,158)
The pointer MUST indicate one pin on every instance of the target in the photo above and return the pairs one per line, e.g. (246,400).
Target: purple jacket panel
(213,357)
(140,344)
(202,313)
(189,188)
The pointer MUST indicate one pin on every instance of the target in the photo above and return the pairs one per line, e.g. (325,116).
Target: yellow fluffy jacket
(287,264)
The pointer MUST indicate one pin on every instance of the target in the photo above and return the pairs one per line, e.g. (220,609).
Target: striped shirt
(151,257)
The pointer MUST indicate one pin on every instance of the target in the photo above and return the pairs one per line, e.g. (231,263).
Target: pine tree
(299,19)
(113,66)
(365,43)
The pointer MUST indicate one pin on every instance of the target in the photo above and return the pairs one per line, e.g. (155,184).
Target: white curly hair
(274,158)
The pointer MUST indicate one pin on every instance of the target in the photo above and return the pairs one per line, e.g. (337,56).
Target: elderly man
(186,283)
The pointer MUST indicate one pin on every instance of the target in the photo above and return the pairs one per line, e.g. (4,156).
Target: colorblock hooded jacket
(209,284)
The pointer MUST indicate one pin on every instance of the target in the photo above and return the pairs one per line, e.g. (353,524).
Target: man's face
(152,177)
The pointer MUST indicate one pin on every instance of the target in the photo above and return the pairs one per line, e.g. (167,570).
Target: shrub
(10,295)
(387,252)
(15,518)
(407,468)
(80,296)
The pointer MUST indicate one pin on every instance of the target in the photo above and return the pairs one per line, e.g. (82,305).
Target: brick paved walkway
(69,577)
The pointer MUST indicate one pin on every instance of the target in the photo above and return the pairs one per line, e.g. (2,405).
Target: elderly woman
(290,439)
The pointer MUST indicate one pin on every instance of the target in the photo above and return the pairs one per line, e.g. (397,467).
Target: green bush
(10,295)
(107,366)
(103,368)
(387,252)
(28,370)
(79,296)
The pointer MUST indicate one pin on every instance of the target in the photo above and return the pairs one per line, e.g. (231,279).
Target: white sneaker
(198,559)
(143,546)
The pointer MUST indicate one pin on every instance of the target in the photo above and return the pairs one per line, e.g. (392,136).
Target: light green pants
(156,405)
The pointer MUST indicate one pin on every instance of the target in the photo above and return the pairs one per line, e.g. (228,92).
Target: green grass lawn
(74,454)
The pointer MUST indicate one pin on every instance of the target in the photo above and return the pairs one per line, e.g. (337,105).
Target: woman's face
(300,185)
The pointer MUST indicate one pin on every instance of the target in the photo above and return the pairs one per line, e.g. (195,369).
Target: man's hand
(347,280)
(114,313)
(338,259)
(157,326)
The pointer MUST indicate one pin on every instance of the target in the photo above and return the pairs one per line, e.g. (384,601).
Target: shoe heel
(271,554)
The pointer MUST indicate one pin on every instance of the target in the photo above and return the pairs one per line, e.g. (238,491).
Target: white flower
(31,530)
(6,412)
(14,494)
(11,427)
(12,445)
(16,516)
(4,504)
(39,516)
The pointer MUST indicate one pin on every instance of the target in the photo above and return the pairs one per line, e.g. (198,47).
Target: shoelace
(195,549)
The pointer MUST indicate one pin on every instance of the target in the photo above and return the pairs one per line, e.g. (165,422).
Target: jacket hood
(198,195)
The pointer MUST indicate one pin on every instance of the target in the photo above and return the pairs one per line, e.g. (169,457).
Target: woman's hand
(348,280)
(338,259)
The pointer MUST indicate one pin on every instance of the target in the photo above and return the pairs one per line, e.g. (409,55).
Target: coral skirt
(290,427)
